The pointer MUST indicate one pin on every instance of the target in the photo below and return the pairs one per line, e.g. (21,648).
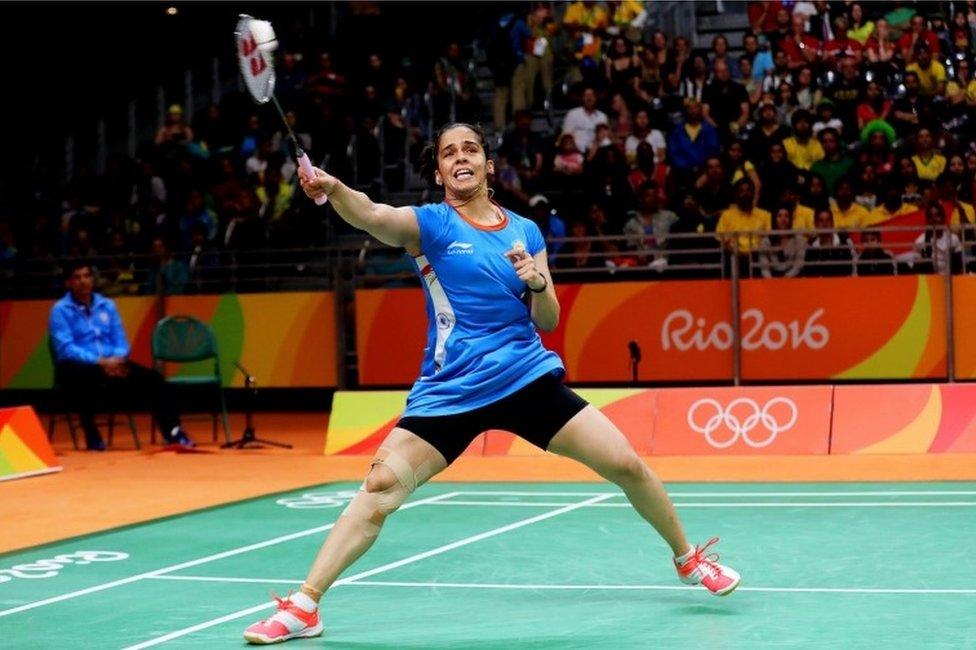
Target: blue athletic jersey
(481,342)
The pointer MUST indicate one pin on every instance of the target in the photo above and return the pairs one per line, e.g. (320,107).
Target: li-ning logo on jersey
(460,248)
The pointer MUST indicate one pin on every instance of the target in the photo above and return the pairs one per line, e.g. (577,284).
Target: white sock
(304,602)
(681,559)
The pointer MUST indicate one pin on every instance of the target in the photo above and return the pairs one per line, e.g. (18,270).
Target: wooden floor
(98,491)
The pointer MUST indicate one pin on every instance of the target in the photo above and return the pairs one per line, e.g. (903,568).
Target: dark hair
(72,264)
(428,157)
(936,205)
(801,114)
(743,181)
(846,179)
(628,48)
(830,131)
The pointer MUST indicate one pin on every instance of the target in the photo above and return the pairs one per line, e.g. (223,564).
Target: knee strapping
(371,508)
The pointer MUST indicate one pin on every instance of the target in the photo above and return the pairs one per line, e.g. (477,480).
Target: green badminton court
(516,565)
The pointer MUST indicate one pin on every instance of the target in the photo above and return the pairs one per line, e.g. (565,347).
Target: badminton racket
(256,43)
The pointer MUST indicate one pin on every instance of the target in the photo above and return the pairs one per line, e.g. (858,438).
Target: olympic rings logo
(729,416)
(318,500)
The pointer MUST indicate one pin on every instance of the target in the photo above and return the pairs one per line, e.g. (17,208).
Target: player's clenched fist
(525,268)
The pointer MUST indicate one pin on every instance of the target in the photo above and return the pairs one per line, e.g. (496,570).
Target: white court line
(818,590)
(380,569)
(740,504)
(466,585)
(872,493)
(218,579)
(199,561)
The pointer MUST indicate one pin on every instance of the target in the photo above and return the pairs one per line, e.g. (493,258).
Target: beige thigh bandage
(370,509)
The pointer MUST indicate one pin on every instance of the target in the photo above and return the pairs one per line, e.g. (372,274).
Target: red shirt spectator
(649,169)
(880,48)
(918,31)
(762,15)
(326,80)
(874,106)
(800,48)
(841,46)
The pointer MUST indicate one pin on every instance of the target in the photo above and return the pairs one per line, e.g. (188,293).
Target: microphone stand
(635,359)
(248,435)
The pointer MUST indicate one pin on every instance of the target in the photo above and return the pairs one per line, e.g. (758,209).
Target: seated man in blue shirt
(91,358)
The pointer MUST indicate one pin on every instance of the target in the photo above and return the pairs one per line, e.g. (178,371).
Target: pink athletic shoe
(289,622)
(705,570)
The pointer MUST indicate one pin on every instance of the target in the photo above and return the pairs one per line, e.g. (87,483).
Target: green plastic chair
(185,339)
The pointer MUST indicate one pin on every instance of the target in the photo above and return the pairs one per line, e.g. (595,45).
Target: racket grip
(306,166)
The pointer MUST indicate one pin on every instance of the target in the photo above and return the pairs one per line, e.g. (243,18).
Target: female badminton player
(488,289)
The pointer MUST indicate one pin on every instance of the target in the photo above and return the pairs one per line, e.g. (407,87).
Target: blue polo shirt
(87,334)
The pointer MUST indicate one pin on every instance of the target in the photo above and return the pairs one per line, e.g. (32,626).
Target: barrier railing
(359,262)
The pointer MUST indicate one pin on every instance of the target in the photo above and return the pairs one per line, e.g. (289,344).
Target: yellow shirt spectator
(863,34)
(953,90)
(594,18)
(750,224)
(803,155)
(273,211)
(928,80)
(881,213)
(854,216)
(966,208)
(626,11)
(740,174)
(930,168)
(802,218)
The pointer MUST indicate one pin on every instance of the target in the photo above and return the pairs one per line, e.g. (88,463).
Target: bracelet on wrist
(545,285)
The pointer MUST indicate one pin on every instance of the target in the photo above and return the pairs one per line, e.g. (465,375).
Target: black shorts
(535,412)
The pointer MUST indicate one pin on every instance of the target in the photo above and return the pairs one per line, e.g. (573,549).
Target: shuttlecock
(264,35)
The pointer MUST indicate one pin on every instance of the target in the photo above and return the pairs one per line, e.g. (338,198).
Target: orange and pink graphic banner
(361,419)
(908,419)
(753,420)
(964,324)
(25,355)
(803,329)
(283,339)
(24,447)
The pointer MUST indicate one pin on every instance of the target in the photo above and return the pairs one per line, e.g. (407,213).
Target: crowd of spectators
(210,194)
(833,115)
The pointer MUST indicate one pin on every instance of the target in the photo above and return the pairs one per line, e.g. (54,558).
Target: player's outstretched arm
(393,226)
